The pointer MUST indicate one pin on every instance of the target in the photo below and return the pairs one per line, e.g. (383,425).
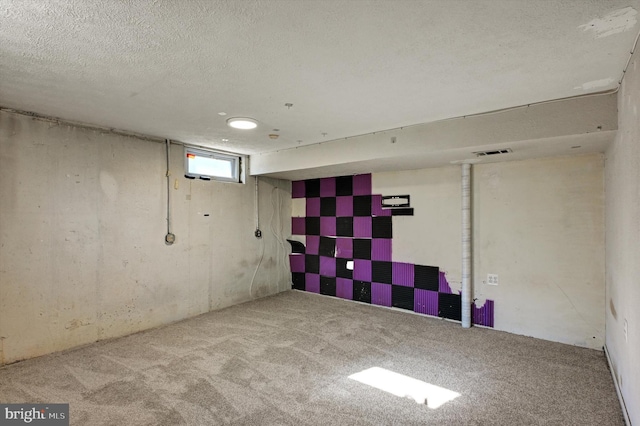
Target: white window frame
(235,160)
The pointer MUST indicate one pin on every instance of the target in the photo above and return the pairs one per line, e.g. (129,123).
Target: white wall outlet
(492,279)
(626,330)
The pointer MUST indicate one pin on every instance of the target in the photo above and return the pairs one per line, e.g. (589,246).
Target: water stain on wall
(613,23)
(109,185)
(596,84)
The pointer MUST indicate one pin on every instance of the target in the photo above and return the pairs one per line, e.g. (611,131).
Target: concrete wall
(82,225)
(623,243)
(538,224)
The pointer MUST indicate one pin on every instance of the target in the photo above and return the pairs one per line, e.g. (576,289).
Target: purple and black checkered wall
(345,222)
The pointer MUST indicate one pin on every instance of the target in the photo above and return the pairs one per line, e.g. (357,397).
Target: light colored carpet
(287,359)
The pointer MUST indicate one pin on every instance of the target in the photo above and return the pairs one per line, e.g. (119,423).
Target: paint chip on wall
(298,207)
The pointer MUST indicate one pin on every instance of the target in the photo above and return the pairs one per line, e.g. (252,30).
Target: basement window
(211,165)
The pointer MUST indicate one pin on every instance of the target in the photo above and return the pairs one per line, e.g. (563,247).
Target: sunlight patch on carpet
(405,387)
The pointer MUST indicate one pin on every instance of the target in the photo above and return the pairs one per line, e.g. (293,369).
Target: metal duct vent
(496,152)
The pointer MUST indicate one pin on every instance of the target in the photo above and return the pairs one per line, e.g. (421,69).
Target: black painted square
(298,280)
(296,246)
(381,227)
(381,272)
(312,263)
(341,268)
(328,206)
(449,306)
(362,291)
(426,277)
(312,188)
(344,227)
(361,248)
(327,247)
(344,185)
(406,211)
(328,285)
(402,297)
(312,226)
(362,205)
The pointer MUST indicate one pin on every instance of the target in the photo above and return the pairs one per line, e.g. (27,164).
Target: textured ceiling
(167,68)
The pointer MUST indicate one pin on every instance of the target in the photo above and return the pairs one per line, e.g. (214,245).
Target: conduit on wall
(169,238)
(258,232)
(466,245)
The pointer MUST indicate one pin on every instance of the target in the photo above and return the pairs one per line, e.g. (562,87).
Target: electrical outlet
(626,331)
(492,279)
(258,233)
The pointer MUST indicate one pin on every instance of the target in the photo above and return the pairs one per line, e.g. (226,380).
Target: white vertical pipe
(168,149)
(256,204)
(466,245)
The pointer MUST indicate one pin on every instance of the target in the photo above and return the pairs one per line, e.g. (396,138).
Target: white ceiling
(167,68)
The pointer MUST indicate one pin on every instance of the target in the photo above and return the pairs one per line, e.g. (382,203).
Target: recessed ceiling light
(225,140)
(222,113)
(242,123)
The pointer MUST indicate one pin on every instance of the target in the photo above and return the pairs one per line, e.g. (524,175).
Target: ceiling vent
(495,152)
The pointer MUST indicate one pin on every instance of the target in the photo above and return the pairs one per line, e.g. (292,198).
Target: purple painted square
(344,206)
(344,248)
(312,283)
(376,206)
(344,288)
(328,226)
(381,249)
(403,274)
(443,284)
(362,184)
(313,244)
(362,227)
(297,225)
(381,294)
(328,266)
(313,207)
(328,187)
(362,270)
(297,189)
(484,314)
(425,302)
(489,313)
(296,261)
